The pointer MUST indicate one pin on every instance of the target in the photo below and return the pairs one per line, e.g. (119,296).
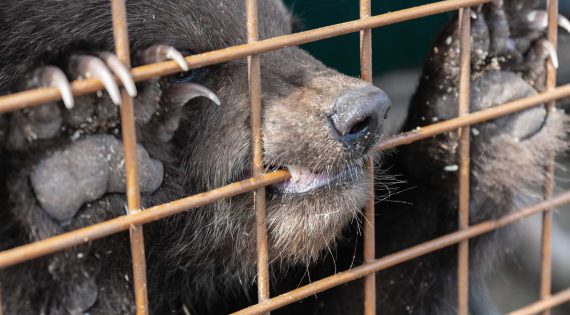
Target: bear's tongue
(303,180)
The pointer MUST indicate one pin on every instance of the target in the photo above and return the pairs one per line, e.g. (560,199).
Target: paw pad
(86,170)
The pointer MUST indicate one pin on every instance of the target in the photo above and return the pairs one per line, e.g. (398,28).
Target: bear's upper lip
(303,180)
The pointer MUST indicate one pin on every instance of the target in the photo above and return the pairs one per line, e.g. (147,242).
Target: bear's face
(317,123)
(329,188)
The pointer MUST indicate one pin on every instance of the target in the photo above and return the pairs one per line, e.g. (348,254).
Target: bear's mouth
(303,180)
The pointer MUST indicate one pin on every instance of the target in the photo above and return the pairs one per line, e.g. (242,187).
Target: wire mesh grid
(135,219)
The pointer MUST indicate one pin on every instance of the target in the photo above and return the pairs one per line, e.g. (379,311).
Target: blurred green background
(395,47)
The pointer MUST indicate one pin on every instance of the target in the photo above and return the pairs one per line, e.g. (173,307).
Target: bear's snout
(358,116)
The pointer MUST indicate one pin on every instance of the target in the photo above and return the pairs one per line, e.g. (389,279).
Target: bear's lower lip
(305,181)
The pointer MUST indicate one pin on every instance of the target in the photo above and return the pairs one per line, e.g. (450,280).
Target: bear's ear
(297,24)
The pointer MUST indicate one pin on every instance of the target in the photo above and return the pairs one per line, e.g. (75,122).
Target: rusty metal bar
(128,130)
(403,256)
(77,237)
(39,96)
(93,232)
(544,303)
(464,162)
(254,74)
(369,211)
(546,236)
(546,242)
(476,117)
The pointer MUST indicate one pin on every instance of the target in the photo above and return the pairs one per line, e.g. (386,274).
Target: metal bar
(254,74)
(369,211)
(128,130)
(77,237)
(93,232)
(402,256)
(544,303)
(464,162)
(39,96)
(475,118)
(546,242)
(546,236)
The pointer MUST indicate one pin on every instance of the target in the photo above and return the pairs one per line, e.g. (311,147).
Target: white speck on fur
(451,168)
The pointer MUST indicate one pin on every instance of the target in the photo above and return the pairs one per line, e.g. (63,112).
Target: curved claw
(54,77)
(121,71)
(177,56)
(551,52)
(564,23)
(93,67)
(173,99)
(181,93)
(538,20)
(162,52)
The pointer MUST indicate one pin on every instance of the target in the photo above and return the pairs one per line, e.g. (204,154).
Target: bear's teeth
(299,173)
(295,171)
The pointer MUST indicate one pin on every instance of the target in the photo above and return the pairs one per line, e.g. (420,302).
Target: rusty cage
(135,219)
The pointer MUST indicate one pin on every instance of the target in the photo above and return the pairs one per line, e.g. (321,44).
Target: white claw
(175,55)
(162,52)
(53,76)
(540,20)
(188,91)
(121,71)
(551,52)
(474,15)
(93,67)
(564,23)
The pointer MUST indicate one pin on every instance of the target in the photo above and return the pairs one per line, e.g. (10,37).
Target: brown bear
(62,162)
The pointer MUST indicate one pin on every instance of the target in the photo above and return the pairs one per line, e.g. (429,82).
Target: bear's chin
(303,226)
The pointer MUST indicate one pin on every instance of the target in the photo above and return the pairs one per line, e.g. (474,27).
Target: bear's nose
(358,117)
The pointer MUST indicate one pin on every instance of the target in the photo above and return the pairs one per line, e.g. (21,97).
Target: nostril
(386,113)
(358,117)
(360,126)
